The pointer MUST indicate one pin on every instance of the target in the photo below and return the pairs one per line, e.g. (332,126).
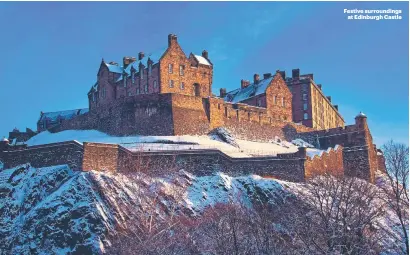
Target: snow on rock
(301,143)
(56,209)
(223,135)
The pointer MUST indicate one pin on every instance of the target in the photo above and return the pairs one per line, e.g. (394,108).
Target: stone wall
(330,162)
(70,153)
(287,166)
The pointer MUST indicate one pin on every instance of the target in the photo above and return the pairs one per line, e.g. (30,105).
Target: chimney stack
(283,74)
(128,60)
(329,98)
(141,55)
(244,84)
(336,107)
(171,39)
(205,54)
(256,78)
(222,92)
(267,75)
(296,74)
(319,86)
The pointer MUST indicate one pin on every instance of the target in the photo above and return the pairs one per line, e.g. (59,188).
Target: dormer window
(149,69)
(181,70)
(170,67)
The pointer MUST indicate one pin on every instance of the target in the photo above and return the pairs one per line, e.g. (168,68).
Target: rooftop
(251,90)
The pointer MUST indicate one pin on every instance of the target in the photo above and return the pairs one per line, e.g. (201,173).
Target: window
(182,85)
(149,69)
(171,83)
(181,70)
(283,101)
(138,90)
(132,77)
(93,97)
(305,87)
(142,73)
(259,102)
(155,84)
(125,81)
(170,67)
(203,75)
(274,100)
(146,88)
(304,96)
(305,106)
(305,116)
(129,93)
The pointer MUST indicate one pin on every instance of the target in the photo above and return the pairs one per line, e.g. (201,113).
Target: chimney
(319,86)
(283,74)
(267,75)
(256,78)
(222,92)
(128,60)
(171,39)
(336,107)
(141,55)
(205,54)
(295,74)
(329,98)
(244,84)
(113,63)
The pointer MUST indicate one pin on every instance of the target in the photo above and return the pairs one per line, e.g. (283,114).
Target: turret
(4,144)
(361,120)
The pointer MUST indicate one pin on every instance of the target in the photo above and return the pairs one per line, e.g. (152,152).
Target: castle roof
(252,90)
(361,115)
(202,60)
(64,115)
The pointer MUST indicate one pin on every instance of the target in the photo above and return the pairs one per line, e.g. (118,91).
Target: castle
(168,93)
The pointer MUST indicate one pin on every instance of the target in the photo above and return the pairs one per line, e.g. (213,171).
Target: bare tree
(338,216)
(396,187)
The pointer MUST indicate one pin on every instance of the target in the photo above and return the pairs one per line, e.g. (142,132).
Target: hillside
(66,212)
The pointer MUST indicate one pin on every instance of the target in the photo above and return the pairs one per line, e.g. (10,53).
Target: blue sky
(50,51)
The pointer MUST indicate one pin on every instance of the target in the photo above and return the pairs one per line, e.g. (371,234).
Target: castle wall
(330,162)
(149,114)
(70,153)
(190,115)
(205,162)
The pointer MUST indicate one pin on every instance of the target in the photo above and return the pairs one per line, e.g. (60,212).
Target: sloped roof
(65,115)
(238,95)
(202,60)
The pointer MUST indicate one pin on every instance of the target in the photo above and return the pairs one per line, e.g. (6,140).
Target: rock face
(49,209)
(222,134)
(57,210)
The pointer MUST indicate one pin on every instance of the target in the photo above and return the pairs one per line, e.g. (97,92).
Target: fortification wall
(70,153)
(190,115)
(330,162)
(149,114)
(287,167)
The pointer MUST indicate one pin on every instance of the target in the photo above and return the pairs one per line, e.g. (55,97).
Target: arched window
(305,116)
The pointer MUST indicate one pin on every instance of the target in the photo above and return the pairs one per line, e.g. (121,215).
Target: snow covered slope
(57,210)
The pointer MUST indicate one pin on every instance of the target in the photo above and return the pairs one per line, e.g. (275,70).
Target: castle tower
(361,121)
(4,144)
